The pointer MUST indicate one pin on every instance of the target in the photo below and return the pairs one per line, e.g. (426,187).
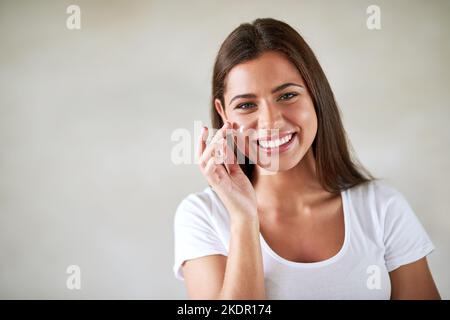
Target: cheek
(303,116)
(244,120)
(247,121)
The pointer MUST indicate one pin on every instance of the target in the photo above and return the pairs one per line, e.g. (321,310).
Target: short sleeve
(194,232)
(405,239)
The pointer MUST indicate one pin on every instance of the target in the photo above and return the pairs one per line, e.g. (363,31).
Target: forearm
(244,274)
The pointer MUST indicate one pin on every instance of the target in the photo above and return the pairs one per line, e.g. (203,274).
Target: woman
(299,219)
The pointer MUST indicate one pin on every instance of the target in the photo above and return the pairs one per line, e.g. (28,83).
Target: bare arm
(203,276)
(413,282)
(240,276)
(244,276)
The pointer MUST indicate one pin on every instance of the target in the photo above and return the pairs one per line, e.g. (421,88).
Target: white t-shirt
(382,233)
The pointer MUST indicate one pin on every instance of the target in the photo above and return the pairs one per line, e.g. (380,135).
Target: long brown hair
(335,169)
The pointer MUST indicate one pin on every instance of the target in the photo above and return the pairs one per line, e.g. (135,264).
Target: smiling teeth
(275,143)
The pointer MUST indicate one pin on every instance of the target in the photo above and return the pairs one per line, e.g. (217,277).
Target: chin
(274,167)
(280,163)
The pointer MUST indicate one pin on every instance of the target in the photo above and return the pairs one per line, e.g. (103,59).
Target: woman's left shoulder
(380,200)
(377,190)
(404,237)
(384,210)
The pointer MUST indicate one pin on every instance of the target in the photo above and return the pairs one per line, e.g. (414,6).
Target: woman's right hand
(227,179)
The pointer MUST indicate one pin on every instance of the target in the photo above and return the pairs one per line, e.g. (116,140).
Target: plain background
(86,118)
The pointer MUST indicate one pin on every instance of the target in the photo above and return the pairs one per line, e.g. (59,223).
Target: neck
(290,192)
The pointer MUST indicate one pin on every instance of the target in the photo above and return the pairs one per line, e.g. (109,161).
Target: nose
(270,117)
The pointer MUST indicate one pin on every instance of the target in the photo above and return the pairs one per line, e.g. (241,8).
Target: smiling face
(268,98)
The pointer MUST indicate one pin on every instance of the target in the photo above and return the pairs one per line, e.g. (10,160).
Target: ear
(220,110)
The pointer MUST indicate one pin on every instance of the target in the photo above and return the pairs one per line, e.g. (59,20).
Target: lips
(276,141)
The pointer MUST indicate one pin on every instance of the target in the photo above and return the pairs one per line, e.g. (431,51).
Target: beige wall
(86,118)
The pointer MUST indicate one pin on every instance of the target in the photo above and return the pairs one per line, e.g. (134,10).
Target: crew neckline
(322,263)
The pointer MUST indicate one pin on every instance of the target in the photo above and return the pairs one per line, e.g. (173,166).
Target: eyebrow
(279,88)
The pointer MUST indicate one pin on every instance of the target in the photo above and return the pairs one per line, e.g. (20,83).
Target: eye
(245,106)
(288,96)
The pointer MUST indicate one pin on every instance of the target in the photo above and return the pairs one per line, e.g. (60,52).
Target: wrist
(245,220)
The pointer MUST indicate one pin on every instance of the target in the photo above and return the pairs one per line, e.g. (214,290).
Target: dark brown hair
(335,169)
